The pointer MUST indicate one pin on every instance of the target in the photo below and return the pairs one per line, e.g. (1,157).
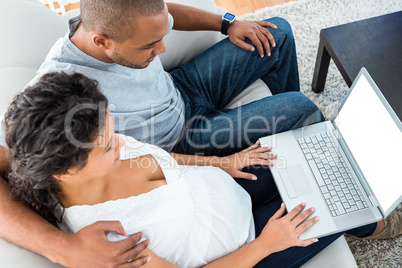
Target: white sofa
(29,30)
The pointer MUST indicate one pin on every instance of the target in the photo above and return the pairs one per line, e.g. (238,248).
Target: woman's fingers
(262,155)
(279,212)
(303,216)
(254,146)
(307,224)
(245,175)
(263,149)
(294,212)
(258,162)
(305,243)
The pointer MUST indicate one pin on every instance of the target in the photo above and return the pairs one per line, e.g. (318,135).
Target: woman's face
(105,156)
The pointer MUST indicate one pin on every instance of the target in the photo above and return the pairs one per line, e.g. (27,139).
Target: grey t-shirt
(144,103)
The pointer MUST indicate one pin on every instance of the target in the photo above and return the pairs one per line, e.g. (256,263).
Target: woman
(70,166)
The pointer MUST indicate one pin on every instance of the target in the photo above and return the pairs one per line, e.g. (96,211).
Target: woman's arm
(279,234)
(87,248)
(232,164)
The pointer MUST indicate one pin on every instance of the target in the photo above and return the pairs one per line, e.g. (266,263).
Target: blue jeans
(211,80)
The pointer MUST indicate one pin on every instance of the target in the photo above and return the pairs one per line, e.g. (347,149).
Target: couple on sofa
(55,171)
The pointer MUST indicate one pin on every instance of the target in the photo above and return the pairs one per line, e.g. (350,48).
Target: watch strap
(225,26)
(227,19)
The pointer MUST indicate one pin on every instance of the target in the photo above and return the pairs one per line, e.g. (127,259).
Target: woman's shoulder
(134,148)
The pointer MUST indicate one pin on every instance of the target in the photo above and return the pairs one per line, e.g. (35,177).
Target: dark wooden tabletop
(375,44)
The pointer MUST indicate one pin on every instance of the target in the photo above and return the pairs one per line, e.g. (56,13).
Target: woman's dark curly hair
(47,127)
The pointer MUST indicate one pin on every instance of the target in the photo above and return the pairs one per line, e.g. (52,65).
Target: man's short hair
(116,18)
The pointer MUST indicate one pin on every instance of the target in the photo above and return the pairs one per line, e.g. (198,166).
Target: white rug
(307,18)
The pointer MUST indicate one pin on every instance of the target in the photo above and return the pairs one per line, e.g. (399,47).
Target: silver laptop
(347,168)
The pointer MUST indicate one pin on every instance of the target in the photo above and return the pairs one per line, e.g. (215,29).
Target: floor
(241,7)
(237,7)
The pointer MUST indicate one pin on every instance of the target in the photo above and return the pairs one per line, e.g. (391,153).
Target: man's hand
(192,19)
(90,248)
(233,164)
(239,30)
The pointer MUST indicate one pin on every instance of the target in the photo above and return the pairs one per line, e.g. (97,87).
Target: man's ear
(102,41)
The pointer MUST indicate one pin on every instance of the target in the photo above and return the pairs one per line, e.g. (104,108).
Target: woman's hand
(233,164)
(281,233)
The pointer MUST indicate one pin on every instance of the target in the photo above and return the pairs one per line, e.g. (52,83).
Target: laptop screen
(374,139)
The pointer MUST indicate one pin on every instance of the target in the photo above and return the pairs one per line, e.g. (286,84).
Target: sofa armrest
(335,255)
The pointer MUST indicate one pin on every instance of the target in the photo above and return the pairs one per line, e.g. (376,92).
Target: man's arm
(87,248)
(4,164)
(192,19)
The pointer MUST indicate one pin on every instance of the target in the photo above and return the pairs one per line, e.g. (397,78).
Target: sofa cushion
(181,46)
(29,31)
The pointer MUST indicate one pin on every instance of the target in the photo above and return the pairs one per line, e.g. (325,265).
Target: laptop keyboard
(339,188)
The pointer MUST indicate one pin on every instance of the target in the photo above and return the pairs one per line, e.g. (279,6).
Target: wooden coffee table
(375,44)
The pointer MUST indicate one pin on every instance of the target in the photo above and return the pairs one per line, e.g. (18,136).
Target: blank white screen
(374,140)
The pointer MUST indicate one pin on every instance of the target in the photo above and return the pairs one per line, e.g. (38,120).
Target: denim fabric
(212,79)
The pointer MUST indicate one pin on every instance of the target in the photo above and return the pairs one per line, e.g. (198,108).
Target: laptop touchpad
(295,181)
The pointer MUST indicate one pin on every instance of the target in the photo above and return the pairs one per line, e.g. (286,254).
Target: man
(117,43)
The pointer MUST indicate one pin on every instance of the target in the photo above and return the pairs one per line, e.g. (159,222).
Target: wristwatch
(227,19)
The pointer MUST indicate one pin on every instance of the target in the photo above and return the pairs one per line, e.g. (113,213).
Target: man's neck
(83,41)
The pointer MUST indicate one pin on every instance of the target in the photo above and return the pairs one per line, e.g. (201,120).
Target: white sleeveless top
(201,214)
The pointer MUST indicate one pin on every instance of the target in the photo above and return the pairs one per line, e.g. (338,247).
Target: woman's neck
(86,193)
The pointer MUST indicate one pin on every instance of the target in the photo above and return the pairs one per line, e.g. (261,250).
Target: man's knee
(308,112)
(283,29)
(282,24)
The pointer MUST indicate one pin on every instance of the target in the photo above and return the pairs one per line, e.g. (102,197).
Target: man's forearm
(193,19)
(23,227)
(4,163)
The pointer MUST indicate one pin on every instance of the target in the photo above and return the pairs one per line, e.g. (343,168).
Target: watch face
(229,16)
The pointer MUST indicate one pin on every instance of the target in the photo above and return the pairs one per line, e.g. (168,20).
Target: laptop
(347,168)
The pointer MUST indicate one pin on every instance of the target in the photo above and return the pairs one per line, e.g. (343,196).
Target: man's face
(138,52)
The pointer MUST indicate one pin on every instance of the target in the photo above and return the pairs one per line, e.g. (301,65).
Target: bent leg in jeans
(225,132)
(211,80)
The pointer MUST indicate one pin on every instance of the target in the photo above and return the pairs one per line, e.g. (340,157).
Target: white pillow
(181,46)
(29,30)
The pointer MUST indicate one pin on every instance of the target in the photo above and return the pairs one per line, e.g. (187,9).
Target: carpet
(307,18)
